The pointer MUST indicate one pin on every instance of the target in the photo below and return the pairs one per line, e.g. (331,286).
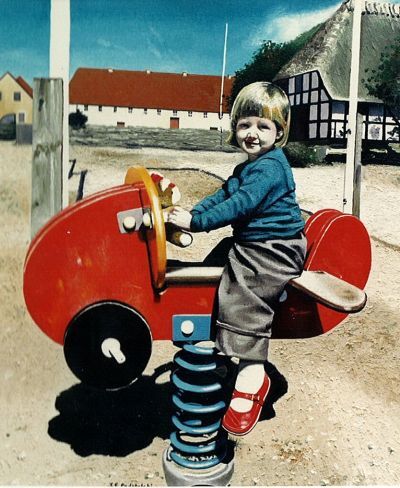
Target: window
(100,108)
(21,118)
(314,96)
(298,99)
(0,95)
(174,112)
(375,132)
(391,133)
(323,130)
(338,110)
(190,113)
(338,130)
(205,114)
(314,80)
(85,108)
(115,109)
(306,81)
(158,111)
(130,110)
(312,131)
(291,85)
(324,111)
(145,111)
(313,112)
(17,96)
(324,96)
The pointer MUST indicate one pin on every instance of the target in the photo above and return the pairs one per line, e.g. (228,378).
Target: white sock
(249,380)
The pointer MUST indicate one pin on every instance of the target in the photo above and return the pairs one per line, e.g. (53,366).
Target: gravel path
(336,417)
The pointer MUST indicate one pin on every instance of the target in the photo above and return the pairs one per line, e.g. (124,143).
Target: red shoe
(241,423)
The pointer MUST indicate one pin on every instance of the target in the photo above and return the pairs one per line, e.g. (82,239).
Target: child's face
(256,135)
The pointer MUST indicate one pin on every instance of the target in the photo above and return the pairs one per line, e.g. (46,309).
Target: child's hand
(180,217)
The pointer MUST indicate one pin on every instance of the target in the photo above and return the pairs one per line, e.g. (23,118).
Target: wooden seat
(323,287)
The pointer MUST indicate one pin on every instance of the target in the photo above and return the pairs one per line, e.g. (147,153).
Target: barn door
(174,123)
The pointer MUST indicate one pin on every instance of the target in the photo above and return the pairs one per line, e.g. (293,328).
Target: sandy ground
(337,424)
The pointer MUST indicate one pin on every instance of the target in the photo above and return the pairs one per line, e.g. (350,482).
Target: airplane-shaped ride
(97,281)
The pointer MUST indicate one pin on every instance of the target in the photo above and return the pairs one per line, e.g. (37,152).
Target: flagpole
(223,73)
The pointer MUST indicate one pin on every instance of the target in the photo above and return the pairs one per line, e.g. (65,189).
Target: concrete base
(175,475)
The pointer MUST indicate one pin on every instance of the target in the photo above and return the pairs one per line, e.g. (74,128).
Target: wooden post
(60,20)
(353,109)
(47,171)
(357,167)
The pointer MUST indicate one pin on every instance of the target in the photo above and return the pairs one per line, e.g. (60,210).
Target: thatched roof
(329,50)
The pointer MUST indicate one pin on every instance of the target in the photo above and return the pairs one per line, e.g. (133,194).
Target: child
(268,245)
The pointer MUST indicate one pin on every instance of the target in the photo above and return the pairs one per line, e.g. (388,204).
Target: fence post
(47,172)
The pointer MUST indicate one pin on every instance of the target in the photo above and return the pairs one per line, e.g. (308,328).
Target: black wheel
(107,345)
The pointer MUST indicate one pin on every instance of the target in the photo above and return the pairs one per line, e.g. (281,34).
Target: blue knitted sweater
(258,200)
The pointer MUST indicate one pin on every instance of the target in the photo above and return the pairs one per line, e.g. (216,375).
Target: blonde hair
(262,99)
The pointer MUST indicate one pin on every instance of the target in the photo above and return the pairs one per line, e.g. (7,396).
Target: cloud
(115,48)
(155,43)
(285,27)
(154,32)
(103,42)
(153,49)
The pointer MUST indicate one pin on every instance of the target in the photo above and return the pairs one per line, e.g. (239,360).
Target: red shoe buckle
(241,423)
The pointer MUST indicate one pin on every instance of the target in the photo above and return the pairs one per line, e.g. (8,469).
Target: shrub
(301,156)
(77,120)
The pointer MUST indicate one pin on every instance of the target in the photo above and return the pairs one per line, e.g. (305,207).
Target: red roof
(146,89)
(23,84)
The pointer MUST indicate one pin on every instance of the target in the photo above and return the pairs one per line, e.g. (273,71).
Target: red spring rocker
(97,281)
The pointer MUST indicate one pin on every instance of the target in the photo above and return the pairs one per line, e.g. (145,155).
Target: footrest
(331,291)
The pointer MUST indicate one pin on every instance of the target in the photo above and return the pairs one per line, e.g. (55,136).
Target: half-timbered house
(317,78)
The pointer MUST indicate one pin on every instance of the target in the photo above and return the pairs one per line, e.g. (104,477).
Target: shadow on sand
(117,423)
(278,388)
(113,423)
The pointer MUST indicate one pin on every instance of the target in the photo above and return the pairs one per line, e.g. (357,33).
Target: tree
(384,81)
(268,60)
(77,120)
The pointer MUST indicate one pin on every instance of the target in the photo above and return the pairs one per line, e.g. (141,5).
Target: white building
(148,99)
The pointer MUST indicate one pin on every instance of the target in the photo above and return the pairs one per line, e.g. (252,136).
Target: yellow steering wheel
(155,233)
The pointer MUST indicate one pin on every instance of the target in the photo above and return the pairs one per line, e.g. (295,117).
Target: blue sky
(161,35)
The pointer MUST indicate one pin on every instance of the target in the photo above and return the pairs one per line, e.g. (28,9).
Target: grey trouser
(254,277)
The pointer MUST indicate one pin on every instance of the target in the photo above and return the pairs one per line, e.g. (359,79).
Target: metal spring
(199,443)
